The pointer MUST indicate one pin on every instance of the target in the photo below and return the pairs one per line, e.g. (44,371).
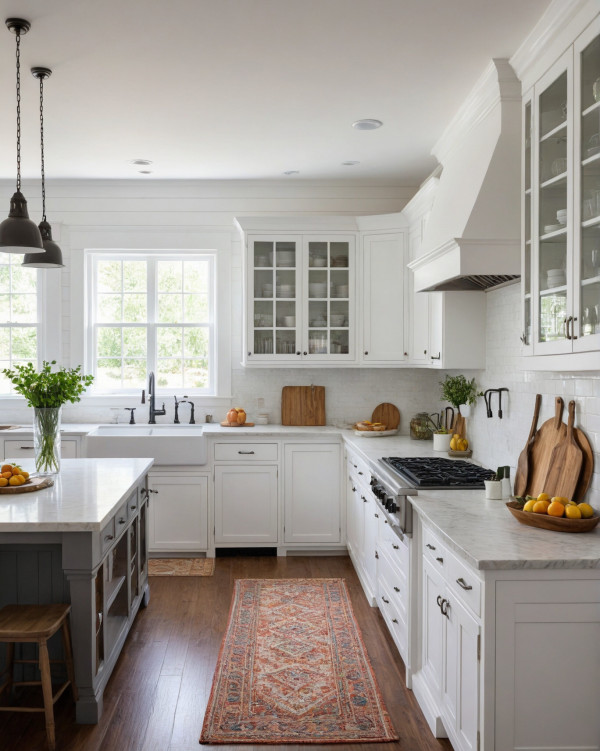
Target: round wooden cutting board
(226,424)
(388,414)
(35,483)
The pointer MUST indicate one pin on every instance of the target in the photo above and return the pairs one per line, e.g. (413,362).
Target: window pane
(134,308)
(169,309)
(5,308)
(4,346)
(109,342)
(196,374)
(108,374)
(109,308)
(24,309)
(134,374)
(24,344)
(134,342)
(4,277)
(134,276)
(169,374)
(169,341)
(196,343)
(195,275)
(195,308)
(23,279)
(109,276)
(5,384)
(169,276)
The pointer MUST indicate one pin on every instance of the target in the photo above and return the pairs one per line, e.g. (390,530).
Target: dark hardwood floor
(156,697)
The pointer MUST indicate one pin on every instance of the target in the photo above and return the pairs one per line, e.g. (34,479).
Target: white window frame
(92,256)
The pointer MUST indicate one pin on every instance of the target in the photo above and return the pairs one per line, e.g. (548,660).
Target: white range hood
(472,238)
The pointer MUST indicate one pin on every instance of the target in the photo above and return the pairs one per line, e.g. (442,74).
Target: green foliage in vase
(46,387)
(457,390)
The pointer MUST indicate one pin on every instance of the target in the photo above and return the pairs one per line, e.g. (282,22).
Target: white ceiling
(246,89)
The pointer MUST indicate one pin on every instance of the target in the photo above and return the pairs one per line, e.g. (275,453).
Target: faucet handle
(132,418)
(143,396)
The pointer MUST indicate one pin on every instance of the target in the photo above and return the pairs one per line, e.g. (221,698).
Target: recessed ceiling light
(349,164)
(292,172)
(145,171)
(367,124)
(140,162)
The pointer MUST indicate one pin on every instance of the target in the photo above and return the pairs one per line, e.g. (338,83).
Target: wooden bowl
(553,523)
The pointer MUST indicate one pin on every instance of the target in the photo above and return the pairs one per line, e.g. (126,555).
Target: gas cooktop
(434,472)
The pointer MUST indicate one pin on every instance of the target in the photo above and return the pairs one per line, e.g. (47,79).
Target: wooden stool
(37,623)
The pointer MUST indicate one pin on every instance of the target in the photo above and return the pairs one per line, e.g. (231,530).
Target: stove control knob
(393,509)
(373,482)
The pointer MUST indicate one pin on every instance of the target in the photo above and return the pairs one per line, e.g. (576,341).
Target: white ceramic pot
(465,410)
(441,441)
(493,489)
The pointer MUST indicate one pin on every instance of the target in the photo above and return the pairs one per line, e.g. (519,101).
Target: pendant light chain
(42,148)
(18,34)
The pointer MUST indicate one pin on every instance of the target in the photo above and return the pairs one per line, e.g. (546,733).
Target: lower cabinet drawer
(16,449)
(107,535)
(225,452)
(395,620)
(393,585)
(463,581)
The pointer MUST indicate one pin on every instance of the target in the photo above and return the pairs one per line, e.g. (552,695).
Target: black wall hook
(488,400)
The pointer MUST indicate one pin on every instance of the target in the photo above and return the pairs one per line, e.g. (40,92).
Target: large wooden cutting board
(303,405)
(388,414)
(35,483)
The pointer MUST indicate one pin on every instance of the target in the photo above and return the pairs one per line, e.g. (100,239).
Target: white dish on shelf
(318,261)
(552,227)
(374,433)
(593,150)
(317,289)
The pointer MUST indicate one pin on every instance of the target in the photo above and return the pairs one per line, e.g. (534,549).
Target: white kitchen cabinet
(178,512)
(246,504)
(369,552)
(300,299)
(362,526)
(20,449)
(561,211)
(383,298)
(312,493)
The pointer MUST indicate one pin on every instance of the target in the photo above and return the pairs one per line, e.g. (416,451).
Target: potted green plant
(46,391)
(460,393)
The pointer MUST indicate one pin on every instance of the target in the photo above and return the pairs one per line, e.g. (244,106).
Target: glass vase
(46,440)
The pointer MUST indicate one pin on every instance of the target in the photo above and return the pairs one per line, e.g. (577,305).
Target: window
(19,315)
(151,312)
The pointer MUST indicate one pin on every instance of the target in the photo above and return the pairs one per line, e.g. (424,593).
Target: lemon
(586,510)
(543,497)
(541,507)
(572,511)
(560,499)
(529,505)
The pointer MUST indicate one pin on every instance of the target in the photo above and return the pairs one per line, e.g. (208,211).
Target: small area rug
(181,567)
(293,669)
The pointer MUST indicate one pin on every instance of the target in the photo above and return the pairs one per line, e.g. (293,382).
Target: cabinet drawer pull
(396,589)
(377,516)
(439,601)
(431,547)
(394,620)
(377,555)
(396,547)
(387,602)
(360,473)
(364,499)
(26,448)
(463,584)
(444,608)
(133,507)
(353,489)
(441,560)
(108,538)
(245,452)
(385,521)
(122,521)
(355,466)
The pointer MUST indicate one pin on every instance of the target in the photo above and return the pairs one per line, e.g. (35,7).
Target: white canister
(493,490)
(441,441)
(262,419)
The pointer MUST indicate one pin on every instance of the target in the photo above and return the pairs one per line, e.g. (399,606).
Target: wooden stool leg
(66,639)
(47,691)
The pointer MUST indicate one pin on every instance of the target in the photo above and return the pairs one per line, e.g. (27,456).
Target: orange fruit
(7,474)
(541,507)
(16,480)
(25,474)
(6,468)
(3,482)
(572,511)
(556,508)
(16,470)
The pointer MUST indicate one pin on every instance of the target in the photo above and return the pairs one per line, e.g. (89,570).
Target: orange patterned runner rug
(181,567)
(293,668)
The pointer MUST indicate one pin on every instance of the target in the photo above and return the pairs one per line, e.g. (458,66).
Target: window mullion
(152,289)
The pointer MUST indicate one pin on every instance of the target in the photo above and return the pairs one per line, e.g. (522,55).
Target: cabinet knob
(305,353)
(394,620)
(108,538)
(366,352)
(298,353)
(441,560)
(249,354)
(377,555)
(406,354)
(122,521)
(424,351)
(396,547)
(132,507)
(377,516)
(396,589)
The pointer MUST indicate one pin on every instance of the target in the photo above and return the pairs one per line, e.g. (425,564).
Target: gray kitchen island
(83,540)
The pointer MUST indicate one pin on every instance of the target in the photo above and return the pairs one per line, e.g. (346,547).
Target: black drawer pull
(396,547)
(360,473)
(439,601)
(441,560)
(444,608)
(431,547)
(385,521)
(377,555)
(28,448)
(394,620)
(396,589)
(122,521)
(364,499)
(107,538)
(245,452)
(387,602)
(133,507)
(463,584)
(353,489)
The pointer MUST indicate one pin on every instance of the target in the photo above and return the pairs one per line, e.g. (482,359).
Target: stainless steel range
(394,478)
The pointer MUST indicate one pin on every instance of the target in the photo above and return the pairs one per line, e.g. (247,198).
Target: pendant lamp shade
(51,258)
(18,234)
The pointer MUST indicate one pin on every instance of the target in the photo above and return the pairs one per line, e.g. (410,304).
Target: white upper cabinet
(561,210)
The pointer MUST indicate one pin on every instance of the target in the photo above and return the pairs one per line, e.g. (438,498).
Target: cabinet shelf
(554,132)
(593,222)
(553,290)
(592,108)
(557,233)
(593,159)
(112,590)
(591,280)
(553,181)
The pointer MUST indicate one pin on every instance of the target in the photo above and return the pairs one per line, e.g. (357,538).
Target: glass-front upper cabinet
(586,308)
(526,218)
(300,298)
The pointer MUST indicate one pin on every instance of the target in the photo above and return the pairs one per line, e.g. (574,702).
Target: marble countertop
(84,496)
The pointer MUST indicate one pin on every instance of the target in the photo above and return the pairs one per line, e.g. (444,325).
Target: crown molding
(423,198)
(498,83)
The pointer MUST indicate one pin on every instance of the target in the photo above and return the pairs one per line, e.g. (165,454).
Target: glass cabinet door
(273,292)
(527,214)
(329,287)
(587,192)
(553,184)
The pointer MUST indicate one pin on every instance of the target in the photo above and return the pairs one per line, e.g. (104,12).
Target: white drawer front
(258,452)
(434,551)
(464,583)
(14,449)
(394,547)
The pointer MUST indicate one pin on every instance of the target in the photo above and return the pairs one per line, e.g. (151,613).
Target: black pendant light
(51,258)
(18,234)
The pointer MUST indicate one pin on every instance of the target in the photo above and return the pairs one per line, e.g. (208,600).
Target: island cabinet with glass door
(300,299)
(561,208)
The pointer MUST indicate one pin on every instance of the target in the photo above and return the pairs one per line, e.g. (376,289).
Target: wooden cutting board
(303,405)
(387,414)
(565,463)
(35,483)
